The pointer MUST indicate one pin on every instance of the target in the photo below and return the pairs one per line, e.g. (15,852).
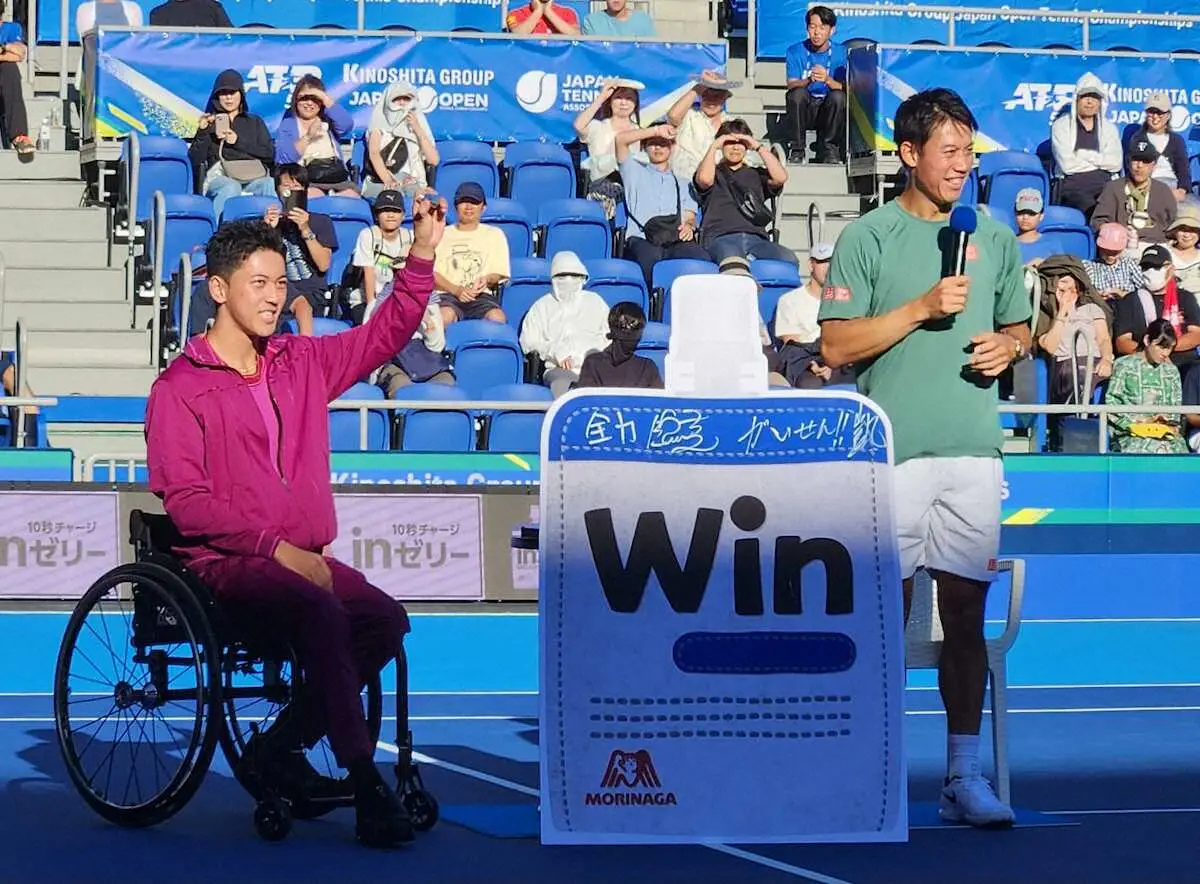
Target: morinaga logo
(630,779)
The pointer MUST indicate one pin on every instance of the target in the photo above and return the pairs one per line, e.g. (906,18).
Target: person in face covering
(618,365)
(232,150)
(567,324)
(400,143)
(1159,298)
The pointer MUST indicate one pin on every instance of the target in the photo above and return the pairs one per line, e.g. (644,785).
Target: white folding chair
(923,648)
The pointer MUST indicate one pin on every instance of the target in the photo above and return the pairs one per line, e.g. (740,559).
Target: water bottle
(43,139)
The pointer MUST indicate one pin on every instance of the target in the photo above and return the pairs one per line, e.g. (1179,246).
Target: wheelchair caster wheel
(272,820)
(422,809)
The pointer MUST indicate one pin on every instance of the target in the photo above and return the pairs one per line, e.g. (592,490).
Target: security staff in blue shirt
(816,97)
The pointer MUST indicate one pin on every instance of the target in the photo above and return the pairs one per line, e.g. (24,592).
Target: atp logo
(273,79)
(630,778)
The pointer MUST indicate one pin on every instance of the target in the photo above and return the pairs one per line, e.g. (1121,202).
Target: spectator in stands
(423,360)
(662,213)
(232,147)
(1172,168)
(736,265)
(618,364)
(816,84)
(612,111)
(1076,330)
(310,135)
(1159,297)
(696,128)
(1030,211)
(1183,235)
(734,196)
(1147,377)
(8,378)
(107,12)
(310,241)
(618,18)
(798,332)
(379,252)
(543,17)
(12,99)
(190,14)
(1086,146)
(1145,206)
(567,324)
(400,144)
(472,261)
(1113,273)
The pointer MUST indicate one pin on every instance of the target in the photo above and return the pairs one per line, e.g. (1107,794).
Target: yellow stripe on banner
(523,464)
(127,119)
(107,130)
(1027,516)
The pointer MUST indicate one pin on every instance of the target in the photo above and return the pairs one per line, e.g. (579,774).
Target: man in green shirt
(928,347)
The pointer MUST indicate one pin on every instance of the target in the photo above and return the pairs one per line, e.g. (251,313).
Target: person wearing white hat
(1173,167)
(696,127)
(1183,236)
(798,331)
(1086,146)
(565,325)
(400,143)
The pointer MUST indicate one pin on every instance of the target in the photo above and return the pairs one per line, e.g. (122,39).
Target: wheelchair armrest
(1012,625)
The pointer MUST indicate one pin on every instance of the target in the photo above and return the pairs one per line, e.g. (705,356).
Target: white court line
(175,719)
(1068,711)
(521,788)
(1101,620)
(1114,812)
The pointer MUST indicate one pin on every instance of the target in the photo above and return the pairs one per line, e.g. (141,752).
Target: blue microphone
(963,222)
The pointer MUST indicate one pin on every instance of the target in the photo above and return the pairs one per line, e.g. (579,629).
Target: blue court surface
(1105,750)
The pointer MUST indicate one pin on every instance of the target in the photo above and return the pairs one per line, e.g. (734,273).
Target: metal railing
(159,227)
(112,463)
(185,295)
(1098,411)
(132,231)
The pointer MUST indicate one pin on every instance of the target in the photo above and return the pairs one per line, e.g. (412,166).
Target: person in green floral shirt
(1147,377)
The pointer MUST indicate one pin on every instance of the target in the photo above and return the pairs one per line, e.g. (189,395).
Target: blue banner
(1014,96)
(471,87)
(780,23)
(420,15)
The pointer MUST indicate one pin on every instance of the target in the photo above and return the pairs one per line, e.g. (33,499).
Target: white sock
(963,750)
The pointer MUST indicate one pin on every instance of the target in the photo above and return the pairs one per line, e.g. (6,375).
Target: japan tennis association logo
(630,778)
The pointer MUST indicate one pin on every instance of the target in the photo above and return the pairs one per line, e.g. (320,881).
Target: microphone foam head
(963,220)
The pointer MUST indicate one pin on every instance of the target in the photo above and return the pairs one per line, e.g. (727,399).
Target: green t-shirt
(886,259)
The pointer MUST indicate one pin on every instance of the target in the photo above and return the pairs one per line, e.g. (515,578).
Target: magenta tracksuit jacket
(207,448)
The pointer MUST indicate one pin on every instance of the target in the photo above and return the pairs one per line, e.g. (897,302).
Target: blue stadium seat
(461,161)
(1002,173)
(615,281)
(163,165)
(1069,225)
(655,336)
(350,215)
(239,208)
(574,225)
(529,281)
(344,430)
(511,218)
(516,431)
(440,431)
(970,192)
(536,172)
(665,273)
(774,279)
(189,223)
(322,325)
(486,353)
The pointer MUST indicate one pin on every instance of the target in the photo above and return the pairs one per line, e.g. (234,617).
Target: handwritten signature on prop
(680,430)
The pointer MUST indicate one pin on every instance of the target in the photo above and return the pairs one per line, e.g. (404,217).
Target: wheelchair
(184,678)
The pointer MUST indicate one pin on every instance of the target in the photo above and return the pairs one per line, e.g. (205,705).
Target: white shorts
(948,515)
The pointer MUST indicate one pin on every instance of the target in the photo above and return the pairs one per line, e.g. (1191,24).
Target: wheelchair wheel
(255,692)
(136,692)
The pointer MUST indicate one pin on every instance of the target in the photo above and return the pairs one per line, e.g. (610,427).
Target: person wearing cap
(472,261)
(816,84)
(618,364)
(1183,236)
(400,144)
(661,210)
(614,110)
(1173,167)
(799,332)
(618,18)
(735,265)
(1159,297)
(379,252)
(565,325)
(542,17)
(1114,273)
(1086,146)
(696,127)
(1029,210)
(1145,206)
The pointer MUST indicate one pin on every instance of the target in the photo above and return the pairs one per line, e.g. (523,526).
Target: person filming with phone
(309,241)
(232,147)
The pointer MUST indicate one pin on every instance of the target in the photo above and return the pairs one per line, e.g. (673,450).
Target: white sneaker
(970,799)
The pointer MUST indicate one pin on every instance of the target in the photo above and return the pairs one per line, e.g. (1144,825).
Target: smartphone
(222,125)
(294,199)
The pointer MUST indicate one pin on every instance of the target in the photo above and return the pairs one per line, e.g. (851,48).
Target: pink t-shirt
(262,398)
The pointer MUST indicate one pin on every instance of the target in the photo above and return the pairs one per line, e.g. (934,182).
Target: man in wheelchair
(238,450)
